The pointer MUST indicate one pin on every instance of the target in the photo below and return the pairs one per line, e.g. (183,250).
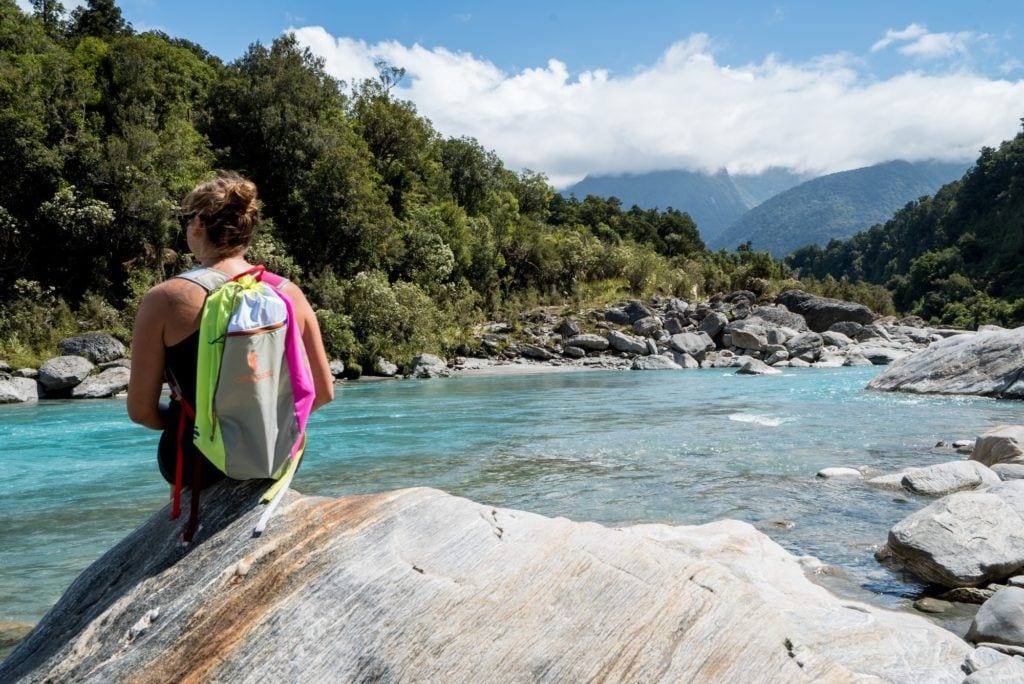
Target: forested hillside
(835,206)
(402,237)
(957,257)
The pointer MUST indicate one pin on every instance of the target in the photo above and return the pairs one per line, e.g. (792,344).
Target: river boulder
(626,343)
(713,323)
(654,362)
(588,342)
(429,366)
(1001,444)
(946,478)
(17,390)
(420,585)
(696,344)
(62,372)
(98,347)
(105,384)
(986,364)
(1000,619)
(820,313)
(965,539)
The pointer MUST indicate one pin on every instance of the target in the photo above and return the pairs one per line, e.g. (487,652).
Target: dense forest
(402,238)
(956,257)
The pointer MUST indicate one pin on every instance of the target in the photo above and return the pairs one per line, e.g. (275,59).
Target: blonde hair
(229,210)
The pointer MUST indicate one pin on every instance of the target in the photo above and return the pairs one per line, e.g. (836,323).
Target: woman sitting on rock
(220,218)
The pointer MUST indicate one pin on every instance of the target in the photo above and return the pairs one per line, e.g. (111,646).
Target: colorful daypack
(254,386)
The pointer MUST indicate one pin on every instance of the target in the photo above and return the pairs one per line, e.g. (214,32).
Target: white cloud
(26,5)
(689,111)
(918,41)
(912,32)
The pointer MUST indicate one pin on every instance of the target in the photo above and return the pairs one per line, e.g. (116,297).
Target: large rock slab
(626,343)
(420,585)
(429,366)
(1001,444)
(106,384)
(588,341)
(1000,619)
(946,478)
(987,364)
(62,372)
(98,347)
(965,539)
(755,367)
(654,362)
(780,317)
(823,312)
(695,344)
(17,390)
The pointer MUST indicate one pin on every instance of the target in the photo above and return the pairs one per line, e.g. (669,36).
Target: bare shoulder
(294,292)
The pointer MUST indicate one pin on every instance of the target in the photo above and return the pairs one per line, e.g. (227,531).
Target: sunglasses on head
(185,218)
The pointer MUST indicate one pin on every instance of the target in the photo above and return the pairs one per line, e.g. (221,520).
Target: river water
(612,447)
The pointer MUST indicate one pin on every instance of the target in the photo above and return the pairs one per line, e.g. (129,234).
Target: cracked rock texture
(418,585)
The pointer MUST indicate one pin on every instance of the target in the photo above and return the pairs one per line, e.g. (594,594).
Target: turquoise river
(613,447)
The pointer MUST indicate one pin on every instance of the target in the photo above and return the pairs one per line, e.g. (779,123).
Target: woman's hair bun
(228,209)
(240,192)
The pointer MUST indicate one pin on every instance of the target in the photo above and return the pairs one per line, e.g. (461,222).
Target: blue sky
(612,35)
(571,88)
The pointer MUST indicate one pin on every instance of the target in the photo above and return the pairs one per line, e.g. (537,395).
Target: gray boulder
(836,339)
(429,366)
(62,372)
(626,343)
(823,312)
(1000,620)
(337,368)
(405,585)
(655,362)
(964,539)
(647,326)
(628,314)
(385,368)
(574,352)
(98,347)
(532,351)
(946,478)
(674,326)
(1009,471)
(695,344)
(777,357)
(26,373)
(1001,444)
(986,665)
(805,343)
(854,359)
(986,364)
(713,323)
(105,384)
(568,328)
(780,317)
(755,367)
(839,472)
(878,354)
(749,333)
(588,342)
(685,360)
(18,390)
(848,328)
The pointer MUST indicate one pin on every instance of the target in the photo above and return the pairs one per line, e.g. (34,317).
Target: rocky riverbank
(968,544)
(797,330)
(419,585)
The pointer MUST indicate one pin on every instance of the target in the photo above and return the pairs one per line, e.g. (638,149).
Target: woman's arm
(147,376)
(323,381)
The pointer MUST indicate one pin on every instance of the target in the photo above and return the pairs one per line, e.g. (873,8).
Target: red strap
(185,411)
(256,271)
(179,465)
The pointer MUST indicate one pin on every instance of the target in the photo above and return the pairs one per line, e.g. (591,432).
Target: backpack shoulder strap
(206,278)
(275,281)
